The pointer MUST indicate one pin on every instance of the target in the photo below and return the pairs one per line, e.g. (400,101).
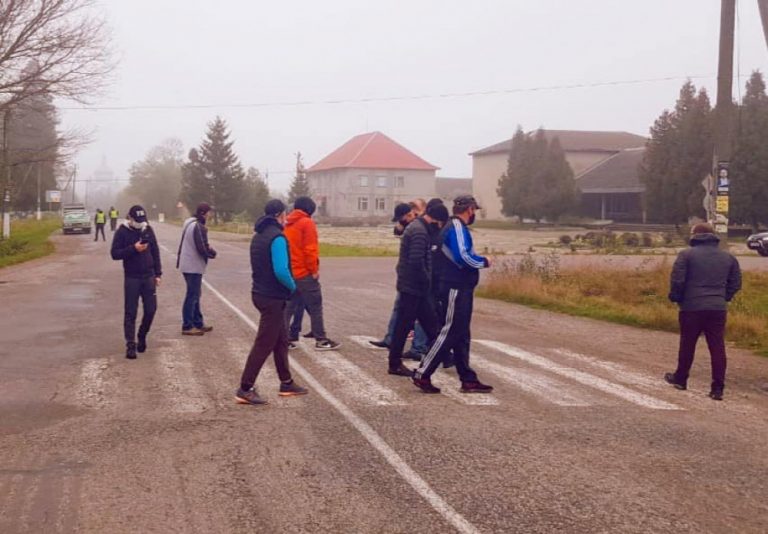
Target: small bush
(565,239)
(646,239)
(629,239)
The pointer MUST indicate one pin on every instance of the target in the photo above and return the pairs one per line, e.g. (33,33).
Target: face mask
(404,222)
(138,225)
(471,219)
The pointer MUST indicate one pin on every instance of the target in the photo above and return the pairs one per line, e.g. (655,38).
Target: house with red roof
(367,176)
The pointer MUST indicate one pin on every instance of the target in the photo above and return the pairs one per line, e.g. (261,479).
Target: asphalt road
(580,435)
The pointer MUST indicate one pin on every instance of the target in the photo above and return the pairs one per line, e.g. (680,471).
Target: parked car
(759,242)
(76,222)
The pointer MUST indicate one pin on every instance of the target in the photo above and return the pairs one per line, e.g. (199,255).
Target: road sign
(723,178)
(722,205)
(53,196)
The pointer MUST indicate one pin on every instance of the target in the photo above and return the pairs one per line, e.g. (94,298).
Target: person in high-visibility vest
(113,215)
(101,220)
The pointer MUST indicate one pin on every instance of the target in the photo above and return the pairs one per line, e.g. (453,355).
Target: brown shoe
(192,332)
(206,328)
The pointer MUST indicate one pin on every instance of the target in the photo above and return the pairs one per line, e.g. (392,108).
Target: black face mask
(404,222)
(471,219)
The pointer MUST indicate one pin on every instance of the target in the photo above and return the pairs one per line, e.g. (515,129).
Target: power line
(155,107)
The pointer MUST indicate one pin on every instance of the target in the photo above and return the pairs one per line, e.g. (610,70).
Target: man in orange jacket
(301,232)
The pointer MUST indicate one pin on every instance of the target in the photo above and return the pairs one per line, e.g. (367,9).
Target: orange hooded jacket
(301,233)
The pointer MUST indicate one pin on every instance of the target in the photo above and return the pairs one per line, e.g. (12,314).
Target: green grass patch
(631,297)
(28,241)
(328,250)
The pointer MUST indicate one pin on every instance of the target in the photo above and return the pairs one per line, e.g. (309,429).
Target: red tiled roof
(372,151)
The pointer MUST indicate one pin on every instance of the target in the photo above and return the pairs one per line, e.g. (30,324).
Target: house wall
(619,207)
(337,192)
(488,168)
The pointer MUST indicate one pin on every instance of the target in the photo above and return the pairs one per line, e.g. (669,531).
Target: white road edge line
(646,401)
(377,442)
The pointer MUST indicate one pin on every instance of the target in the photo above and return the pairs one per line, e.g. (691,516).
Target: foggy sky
(234,52)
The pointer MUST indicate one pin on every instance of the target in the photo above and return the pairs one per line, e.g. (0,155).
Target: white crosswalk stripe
(541,386)
(622,392)
(356,382)
(448,385)
(618,372)
(180,385)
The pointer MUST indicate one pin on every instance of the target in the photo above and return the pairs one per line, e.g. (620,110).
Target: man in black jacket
(414,279)
(136,245)
(704,279)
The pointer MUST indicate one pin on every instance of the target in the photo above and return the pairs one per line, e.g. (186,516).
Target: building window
(381,204)
(381,181)
(363,181)
(399,181)
(362,203)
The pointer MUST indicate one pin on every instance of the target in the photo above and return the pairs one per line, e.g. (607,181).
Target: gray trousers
(308,290)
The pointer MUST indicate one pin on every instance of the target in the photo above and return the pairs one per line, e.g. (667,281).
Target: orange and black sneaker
(248,397)
(291,389)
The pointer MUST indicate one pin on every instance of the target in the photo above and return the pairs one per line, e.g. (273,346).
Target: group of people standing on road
(437,273)
(100,221)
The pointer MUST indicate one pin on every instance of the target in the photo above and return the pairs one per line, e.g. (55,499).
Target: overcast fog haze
(237,53)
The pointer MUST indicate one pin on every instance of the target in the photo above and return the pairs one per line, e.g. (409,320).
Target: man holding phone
(136,245)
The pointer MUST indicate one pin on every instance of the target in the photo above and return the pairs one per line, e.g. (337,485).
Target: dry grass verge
(635,297)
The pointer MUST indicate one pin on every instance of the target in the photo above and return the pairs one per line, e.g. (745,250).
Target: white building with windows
(367,176)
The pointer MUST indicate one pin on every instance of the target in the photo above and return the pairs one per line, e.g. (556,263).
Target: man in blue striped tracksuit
(459,274)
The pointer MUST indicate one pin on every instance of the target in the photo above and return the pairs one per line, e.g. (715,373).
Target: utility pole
(763,5)
(39,215)
(719,183)
(74,182)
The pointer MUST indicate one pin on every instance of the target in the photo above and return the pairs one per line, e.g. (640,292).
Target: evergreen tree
(256,193)
(215,174)
(33,146)
(678,157)
(749,166)
(539,181)
(195,185)
(156,180)
(300,184)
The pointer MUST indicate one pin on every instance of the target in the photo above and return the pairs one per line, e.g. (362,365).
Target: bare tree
(52,47)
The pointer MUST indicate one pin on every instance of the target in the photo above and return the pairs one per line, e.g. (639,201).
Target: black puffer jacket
(704,278)
(414,268)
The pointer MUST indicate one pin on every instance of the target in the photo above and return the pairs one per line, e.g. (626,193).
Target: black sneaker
(248,397)
(291,389)
(309,335)
(381,345)
(293,339)
(130,351)
(141,346)
(670,378)
(401,371)
(425,385)
(475,387)
(716,394)
(326,344)
(293,345)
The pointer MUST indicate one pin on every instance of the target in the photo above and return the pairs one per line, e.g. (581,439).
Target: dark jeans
(272,337)
(298,317)
(113,224)
(409,309)
(308,290)
(456,311)
(100,228)
(135,288)
(712,325)
(420,341)
(190,311)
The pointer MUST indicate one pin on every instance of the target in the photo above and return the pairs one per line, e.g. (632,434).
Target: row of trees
(539,181)
(679,157)
(211,173)
(49,49)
